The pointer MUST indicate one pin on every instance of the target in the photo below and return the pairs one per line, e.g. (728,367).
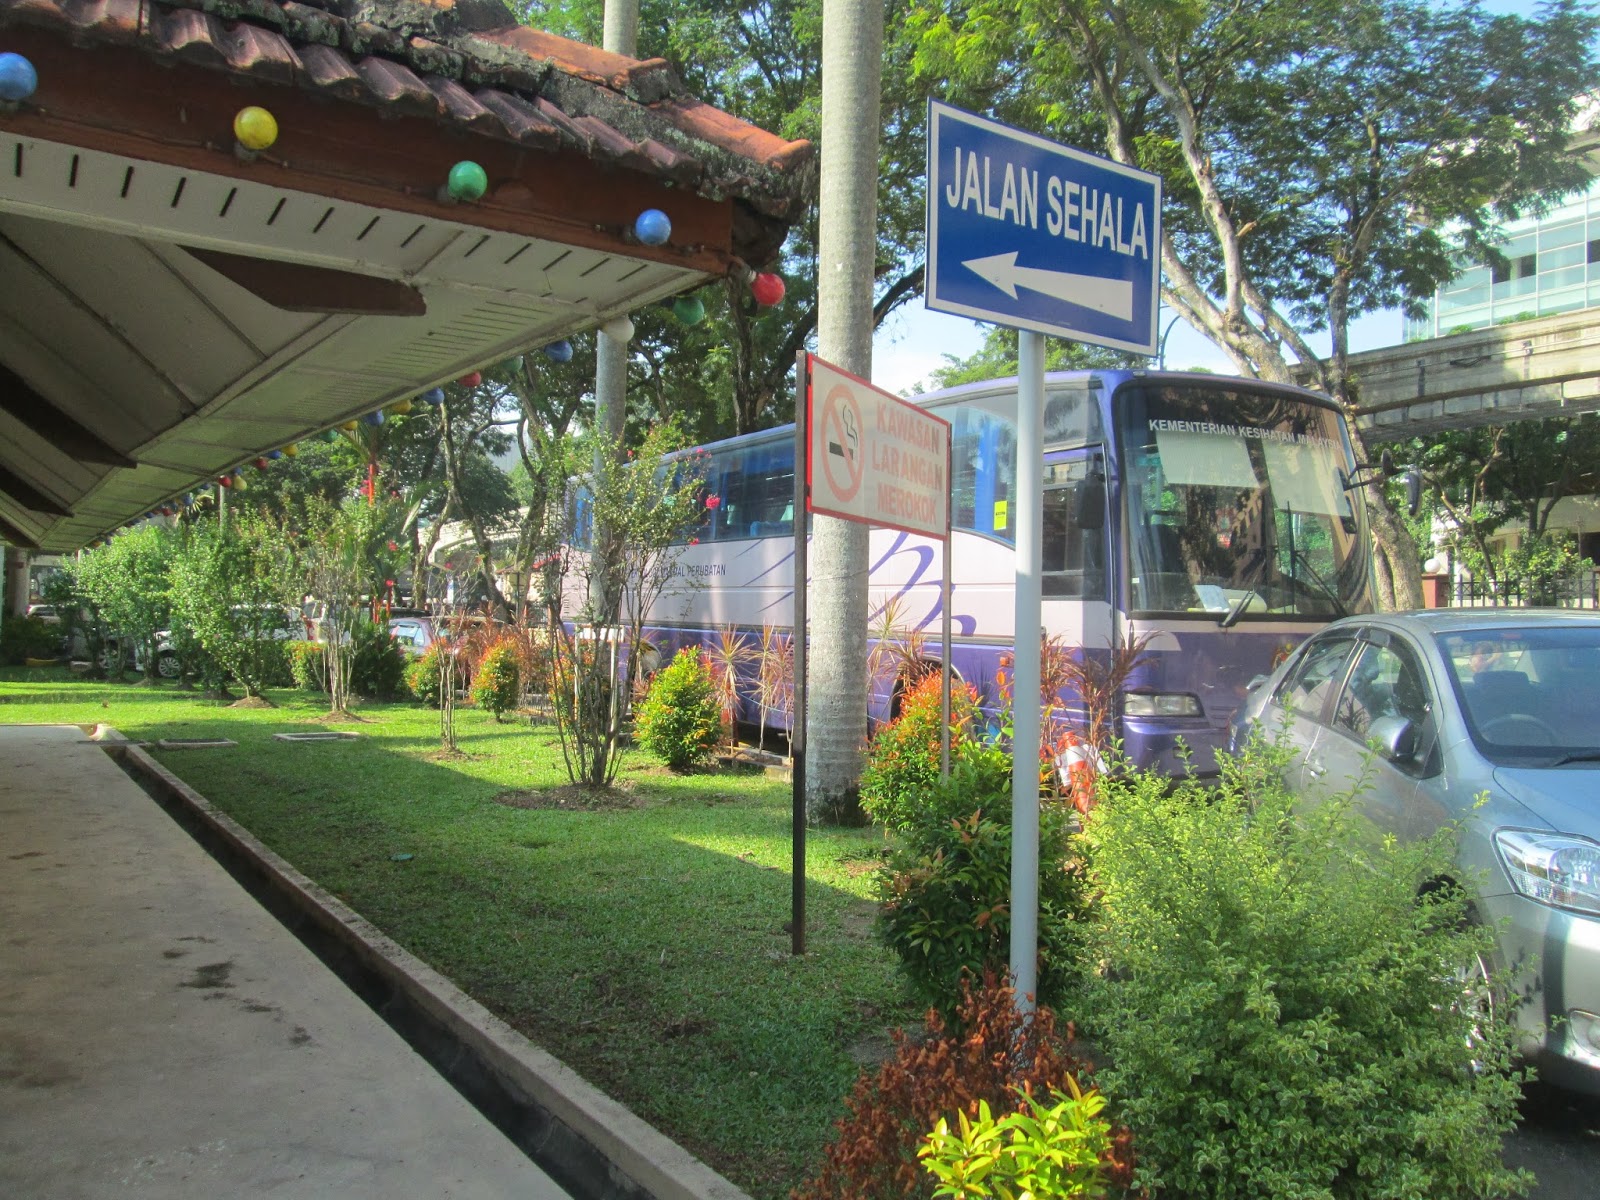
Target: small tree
(232,587)
(126,584)
(343,562)
(680,716)
(498,682)
(646,508)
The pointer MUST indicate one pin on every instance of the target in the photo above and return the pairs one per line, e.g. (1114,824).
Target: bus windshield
(1235,504)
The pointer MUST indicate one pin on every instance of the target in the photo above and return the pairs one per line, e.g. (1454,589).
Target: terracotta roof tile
(465,63)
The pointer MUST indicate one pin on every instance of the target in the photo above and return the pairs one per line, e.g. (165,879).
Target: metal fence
(1580,590)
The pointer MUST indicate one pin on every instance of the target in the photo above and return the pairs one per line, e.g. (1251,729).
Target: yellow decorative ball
(399,408)
(348,426)
(291,449)
(255,128)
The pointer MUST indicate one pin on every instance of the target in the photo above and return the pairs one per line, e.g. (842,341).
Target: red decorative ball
(767,289)
(262,464)
(225,480)
(471,379)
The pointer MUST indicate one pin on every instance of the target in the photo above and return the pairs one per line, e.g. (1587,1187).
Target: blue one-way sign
(1031,234)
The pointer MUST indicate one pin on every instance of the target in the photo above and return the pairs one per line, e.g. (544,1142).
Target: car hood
(1562,797)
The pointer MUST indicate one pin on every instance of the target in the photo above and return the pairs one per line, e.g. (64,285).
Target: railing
(1580,590)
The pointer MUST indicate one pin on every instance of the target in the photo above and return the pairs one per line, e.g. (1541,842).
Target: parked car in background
(285,625)
(1489,719)
(414,631)
(44,612)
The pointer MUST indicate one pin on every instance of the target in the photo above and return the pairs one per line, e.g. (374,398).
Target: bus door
(1077,558)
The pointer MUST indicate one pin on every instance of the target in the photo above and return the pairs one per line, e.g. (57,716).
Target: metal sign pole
(1025,715)
(797,721)
(944,635)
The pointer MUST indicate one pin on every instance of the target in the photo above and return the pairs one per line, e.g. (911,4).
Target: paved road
(1559,1141)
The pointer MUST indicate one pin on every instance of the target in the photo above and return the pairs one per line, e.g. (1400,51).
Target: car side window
(1386,681)
(1305,690)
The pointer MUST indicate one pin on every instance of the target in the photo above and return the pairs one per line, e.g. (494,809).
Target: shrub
(995,1056)
(23,638)
(903,761)
(422,676)
(497,684)
(308,665)
(1278,1007)
(946,888)
(1054,1149)
(680,718)
(377,667)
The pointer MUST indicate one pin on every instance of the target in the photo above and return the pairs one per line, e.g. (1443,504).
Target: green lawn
(644,944)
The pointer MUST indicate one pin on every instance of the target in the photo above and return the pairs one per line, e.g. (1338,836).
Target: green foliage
(308,666)
(997,359)
(679,719)
(902,765)
(422,675)
(497,685)
(1054,1149)
(1546,565)
(126,583)
(1278,1005)
(946,889)
(232,587)
(23,638)
(377,664)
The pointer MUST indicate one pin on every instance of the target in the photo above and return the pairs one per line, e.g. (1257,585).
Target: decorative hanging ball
(559,351)
(373,418)
(652,227)
(399,408)
(467,181)
(255,128)
(348,426)
(18,79)
(188,499)
(263,463)
(471,379)
(690,310)
(393,546)
(329,435)
(225,480)
(274,455)
(433,396)
(166,511)
(514,363)
(767,289)
(239,480)
(291,450)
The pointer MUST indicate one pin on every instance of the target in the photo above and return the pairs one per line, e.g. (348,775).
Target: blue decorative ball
(274,455)
(373,418)
(18,79)
(433,396)
(653,227)
(559,351)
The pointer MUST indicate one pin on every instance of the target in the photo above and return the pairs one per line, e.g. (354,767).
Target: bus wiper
(1326,592)
(1584,756)
(1236,609)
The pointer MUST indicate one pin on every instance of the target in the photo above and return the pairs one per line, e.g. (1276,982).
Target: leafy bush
(947,886)
(497,684)
(378,666)
(422,676)
(308,666)
(995,1057)
(1055,1149)
(27,637)
(680,718)
(903,761)
(1278,1006)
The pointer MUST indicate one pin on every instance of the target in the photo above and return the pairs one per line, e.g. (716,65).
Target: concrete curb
(638,1154)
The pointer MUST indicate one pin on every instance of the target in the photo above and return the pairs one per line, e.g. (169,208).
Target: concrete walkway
(161,1035)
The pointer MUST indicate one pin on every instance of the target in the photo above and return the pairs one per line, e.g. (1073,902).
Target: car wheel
(168,666)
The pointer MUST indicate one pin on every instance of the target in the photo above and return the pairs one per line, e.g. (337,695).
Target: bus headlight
(1552,868)
(1160,704)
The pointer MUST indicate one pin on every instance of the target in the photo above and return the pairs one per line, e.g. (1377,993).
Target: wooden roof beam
(19,400)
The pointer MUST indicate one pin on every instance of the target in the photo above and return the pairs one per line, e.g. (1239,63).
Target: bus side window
(1074,530)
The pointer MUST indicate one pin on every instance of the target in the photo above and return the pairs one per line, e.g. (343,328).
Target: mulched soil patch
(573,797)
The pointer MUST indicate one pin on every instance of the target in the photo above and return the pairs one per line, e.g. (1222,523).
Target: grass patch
(639,935)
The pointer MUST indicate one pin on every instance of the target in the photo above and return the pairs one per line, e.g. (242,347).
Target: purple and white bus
(1212,514)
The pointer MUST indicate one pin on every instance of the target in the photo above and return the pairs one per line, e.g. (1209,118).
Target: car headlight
(1160,704)
(1553,868)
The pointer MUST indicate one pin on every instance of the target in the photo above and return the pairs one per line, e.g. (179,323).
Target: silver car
(1435,710)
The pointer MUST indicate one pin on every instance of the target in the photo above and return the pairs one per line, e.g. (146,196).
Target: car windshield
(1235,504)
(1529,693)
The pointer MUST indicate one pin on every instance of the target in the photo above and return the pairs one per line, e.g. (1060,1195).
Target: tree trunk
(852,39)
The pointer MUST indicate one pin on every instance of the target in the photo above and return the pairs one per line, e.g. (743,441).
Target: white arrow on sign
(1114,297)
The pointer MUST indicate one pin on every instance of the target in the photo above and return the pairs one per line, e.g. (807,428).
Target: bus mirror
(1089,502)
(1413,490)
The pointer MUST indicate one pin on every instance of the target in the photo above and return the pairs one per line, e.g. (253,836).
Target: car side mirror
(1394,738)
(1413,490)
